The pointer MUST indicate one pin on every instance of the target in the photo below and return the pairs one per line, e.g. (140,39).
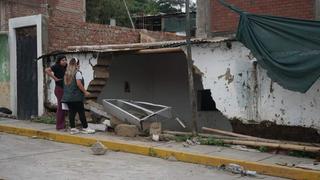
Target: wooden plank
(101,74)
(104,60)
(95,88)
(100,68)
(97,81)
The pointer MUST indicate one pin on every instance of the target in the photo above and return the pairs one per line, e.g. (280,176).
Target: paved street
(27,158)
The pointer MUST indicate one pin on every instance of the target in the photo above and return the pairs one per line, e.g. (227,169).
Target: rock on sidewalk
(114,121)
(126,130)
(98,149)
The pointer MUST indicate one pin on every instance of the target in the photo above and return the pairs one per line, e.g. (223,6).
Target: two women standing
(73,93)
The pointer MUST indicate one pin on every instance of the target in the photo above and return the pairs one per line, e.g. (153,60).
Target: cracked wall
(242,89)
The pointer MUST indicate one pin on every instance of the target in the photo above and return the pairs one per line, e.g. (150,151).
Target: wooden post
(192,94)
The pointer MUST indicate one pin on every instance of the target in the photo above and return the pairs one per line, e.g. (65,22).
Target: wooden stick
(231,134)
(275,145)
(242,139)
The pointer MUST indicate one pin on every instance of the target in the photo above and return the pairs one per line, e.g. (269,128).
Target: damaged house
(32,28)
(233,91)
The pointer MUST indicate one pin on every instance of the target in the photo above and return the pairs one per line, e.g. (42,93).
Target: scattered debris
(126,130)
(191,142)
(185,144)
(155,128)
(237,169)
(243,148)
(97,127)
(97,109)
(172,158)
(312,166)
(106,122)
(7,116)
(98,148)
(5,110)
(115,121)
(285,164)
(155,137)
(167,137)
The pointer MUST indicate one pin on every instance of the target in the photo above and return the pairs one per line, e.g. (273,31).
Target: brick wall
(67,26)
(224,20)
(73,10)
(69,33)
(57,9)
(16,8)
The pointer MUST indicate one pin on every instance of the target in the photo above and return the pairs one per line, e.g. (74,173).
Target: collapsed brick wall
(224,20)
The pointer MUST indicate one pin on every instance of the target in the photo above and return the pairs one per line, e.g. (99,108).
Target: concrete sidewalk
(264,163)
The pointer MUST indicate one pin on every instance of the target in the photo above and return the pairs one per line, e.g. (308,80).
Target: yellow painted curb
(267,169)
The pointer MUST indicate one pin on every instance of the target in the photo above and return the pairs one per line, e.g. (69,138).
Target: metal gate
(27,80)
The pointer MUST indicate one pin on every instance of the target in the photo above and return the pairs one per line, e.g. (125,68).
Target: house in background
(215,19)
(174,23)
(35,27)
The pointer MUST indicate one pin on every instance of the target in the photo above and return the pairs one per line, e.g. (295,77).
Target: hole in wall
(205,101)
(127,87)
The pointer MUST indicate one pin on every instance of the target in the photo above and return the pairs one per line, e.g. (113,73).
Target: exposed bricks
(67,33)
(224,20)
(66,25)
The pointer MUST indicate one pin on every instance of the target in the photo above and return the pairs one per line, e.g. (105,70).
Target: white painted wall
(240,99)
(85,68)
(20,22)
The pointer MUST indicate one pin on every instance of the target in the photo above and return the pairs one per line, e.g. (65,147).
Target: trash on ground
(237,169)
(106,122)
(155,137)
(243,148)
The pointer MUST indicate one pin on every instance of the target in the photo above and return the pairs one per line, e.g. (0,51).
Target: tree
(101,11)
(170,6)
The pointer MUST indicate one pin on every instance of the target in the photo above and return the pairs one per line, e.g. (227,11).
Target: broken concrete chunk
(97,127)
(98,148)
(114,121)
(126,130)
(171,158)
(97,109)
(155,128)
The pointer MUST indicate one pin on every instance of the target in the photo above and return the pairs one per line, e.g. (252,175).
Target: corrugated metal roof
(134,46)
(140,46)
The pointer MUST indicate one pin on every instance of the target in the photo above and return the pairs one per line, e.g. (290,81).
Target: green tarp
(289,49)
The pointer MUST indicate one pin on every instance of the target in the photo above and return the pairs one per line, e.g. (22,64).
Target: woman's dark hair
(59,57)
